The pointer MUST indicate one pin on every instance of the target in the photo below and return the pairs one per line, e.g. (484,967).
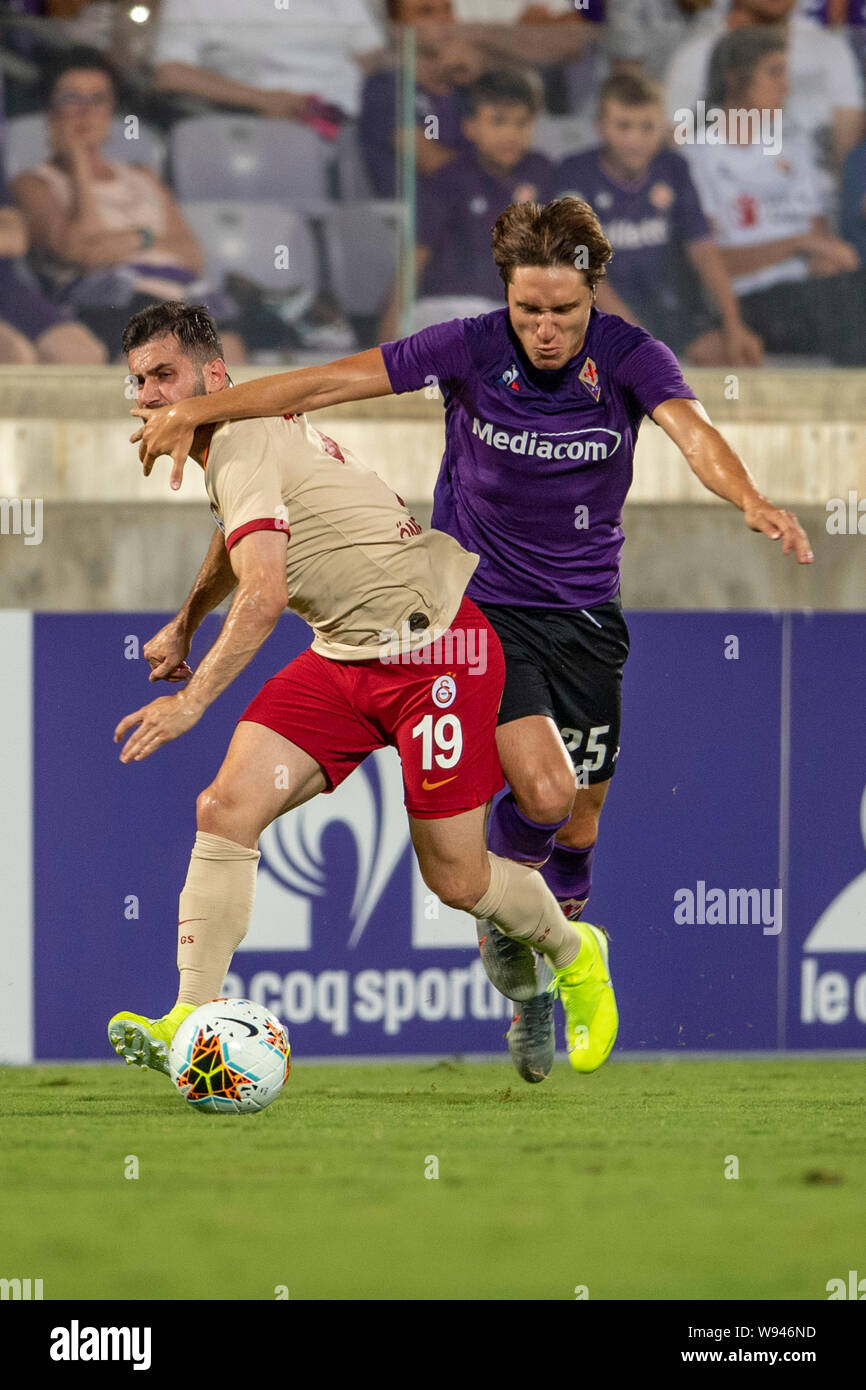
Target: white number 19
(446,734)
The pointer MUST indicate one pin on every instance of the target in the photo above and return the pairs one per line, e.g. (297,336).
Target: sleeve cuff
(265,523)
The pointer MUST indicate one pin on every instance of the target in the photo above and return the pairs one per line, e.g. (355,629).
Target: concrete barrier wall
(112,539)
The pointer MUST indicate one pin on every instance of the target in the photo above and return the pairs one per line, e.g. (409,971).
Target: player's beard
(199,388)
(202,437)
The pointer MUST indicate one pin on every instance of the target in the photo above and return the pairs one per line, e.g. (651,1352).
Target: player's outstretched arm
(168,649)
(170,429)
(723,472)
(259,562)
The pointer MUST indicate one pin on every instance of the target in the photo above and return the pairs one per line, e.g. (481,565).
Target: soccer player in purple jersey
(543,400)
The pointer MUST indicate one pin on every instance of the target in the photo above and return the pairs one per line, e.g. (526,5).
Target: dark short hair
(501,88)
(630,89)
(551,235)
(73,59)
(191,324)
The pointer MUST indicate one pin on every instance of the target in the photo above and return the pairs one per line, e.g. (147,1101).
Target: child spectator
(800,287)
(652,216)
(458,206)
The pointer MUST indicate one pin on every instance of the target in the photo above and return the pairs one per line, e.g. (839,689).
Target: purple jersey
(537,464)
(457,207)
(641,218)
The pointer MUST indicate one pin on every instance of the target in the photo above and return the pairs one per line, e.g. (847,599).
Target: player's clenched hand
(167,652)
(780,525)
(155,724)
(167,430)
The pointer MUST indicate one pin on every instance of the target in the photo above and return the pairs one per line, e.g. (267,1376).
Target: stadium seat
(362,243)
(250,158)
(27,145)
(352,178)
(247,239)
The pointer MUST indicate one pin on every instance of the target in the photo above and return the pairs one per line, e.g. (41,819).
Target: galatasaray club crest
(589,377)
(444,691)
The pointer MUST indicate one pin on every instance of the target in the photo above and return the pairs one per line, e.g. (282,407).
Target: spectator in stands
(449,57)
(458,205)
(652,217)
(799,286)
(852,217)
(32,329)
(540,36)
(826,96)
(293,62)
(110,236)
(444,65)
(642,35)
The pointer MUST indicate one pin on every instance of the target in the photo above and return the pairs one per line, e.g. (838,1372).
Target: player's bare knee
(463,895)
(214,810)
(547,799)
(460,888)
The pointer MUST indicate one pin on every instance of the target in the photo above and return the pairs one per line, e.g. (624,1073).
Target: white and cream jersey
(358,566)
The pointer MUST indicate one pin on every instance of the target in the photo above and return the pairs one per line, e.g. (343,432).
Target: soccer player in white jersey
(302,523)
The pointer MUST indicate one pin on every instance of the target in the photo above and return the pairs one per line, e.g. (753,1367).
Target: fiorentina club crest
(589,377)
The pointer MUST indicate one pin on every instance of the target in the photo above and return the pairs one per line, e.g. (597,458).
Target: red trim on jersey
(265,523)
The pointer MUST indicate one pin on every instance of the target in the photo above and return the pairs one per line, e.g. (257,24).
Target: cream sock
(520,904)
(216,907)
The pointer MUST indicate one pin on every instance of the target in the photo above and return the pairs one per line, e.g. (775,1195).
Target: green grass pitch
(615,1182)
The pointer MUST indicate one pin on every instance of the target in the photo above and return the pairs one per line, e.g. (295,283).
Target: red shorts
(439,711)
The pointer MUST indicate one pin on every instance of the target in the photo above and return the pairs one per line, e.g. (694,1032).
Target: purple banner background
(828,857)
(695,801)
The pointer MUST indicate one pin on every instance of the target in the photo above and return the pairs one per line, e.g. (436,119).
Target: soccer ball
(231,1056)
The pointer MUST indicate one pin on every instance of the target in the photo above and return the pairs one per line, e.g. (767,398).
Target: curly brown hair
(564,232)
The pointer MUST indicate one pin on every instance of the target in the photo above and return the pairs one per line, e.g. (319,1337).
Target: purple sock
(513,835)
(568,875)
